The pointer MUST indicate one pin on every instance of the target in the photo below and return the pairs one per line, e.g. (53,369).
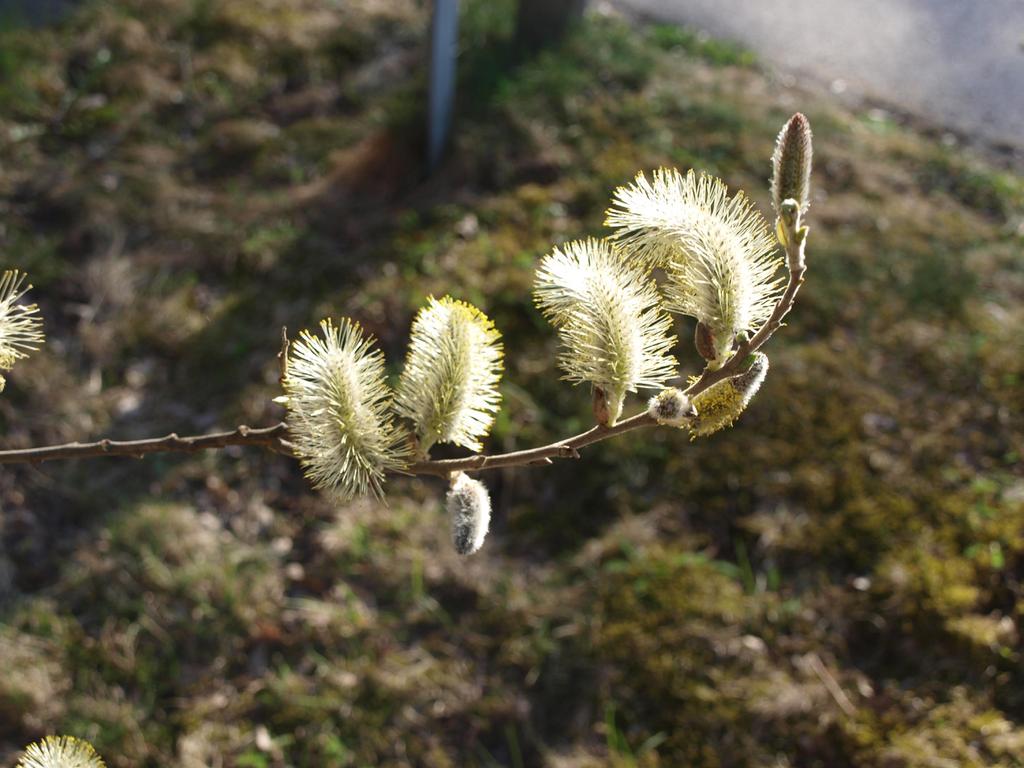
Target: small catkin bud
(607,406)
(721,404)
(791,164)
(469,507)
(704,341)
(671,408)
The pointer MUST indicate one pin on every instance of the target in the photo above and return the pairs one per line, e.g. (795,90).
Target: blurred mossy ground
(834,582)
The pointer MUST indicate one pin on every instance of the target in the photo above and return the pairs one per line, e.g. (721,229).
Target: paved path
(957,62)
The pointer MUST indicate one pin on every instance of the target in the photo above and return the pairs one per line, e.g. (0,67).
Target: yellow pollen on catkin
(721,404)
(449,386)
(61,752)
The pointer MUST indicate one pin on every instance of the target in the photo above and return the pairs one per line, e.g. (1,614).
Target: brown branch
(563,449)
(271,438)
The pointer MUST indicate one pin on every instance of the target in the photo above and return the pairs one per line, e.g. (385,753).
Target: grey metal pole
(444,30)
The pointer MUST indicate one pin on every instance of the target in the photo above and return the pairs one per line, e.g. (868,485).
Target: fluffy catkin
(721,404)
(21,328)
(449,386)
(614,333)
(671,407)
(469,508)
(718,252)
(61,752)
(339,411)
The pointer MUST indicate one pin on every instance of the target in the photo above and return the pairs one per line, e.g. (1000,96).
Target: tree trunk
(542,22)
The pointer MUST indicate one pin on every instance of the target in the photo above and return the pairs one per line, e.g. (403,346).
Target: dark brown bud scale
(602,410)
(704,341)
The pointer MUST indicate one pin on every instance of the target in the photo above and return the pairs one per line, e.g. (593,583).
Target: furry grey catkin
(469,507)
(671,407)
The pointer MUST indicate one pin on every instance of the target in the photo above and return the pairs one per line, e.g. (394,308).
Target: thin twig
(274,438)
(563,449)
(271,438)
(831,685)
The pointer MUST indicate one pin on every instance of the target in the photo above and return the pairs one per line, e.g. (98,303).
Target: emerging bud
(671,408)
(61,752)
(791,164)
(607,409)
(469,507)
(721,404)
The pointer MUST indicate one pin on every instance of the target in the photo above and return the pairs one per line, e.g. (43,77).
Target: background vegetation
(834,582)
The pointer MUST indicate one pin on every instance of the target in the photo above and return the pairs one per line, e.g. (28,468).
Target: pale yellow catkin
(721,404)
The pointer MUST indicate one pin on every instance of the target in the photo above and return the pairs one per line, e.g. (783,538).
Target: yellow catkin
(61,752)
(339,414)
(21,328)
(721,404)
(449,386)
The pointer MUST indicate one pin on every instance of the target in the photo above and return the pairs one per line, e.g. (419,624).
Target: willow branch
(563,449)
(274,438)
(270,438)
